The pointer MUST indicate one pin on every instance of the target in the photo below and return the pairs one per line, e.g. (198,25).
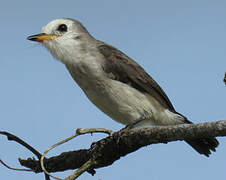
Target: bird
(113,81)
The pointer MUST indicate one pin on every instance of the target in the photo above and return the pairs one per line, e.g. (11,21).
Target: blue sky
(182,44)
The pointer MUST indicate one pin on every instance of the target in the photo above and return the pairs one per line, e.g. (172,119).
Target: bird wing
(122,68)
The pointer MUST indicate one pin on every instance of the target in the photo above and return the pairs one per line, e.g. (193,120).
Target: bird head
(62,37)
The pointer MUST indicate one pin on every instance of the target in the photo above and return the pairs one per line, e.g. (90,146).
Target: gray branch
(111,148)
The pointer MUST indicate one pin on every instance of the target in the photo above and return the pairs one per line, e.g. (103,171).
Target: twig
(85,166)
(81,170)
(16,169)
(12,137)
(225,78)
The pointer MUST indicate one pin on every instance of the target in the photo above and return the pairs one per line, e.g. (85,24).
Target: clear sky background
(182,44)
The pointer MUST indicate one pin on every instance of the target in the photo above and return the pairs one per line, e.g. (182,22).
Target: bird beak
(42,37)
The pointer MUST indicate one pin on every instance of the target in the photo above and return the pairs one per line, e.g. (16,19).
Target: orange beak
(42,37)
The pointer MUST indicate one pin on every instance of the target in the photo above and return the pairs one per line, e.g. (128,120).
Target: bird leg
(133,124)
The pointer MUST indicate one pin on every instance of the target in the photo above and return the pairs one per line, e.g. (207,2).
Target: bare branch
(85,166)
(111,148)
(12,137)
(225,78)
(15,169)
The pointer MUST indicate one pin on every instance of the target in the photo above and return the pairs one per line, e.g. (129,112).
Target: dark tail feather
(203,146)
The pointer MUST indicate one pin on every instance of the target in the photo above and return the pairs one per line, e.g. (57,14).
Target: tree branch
(225,78)
(121,143)
(12,137)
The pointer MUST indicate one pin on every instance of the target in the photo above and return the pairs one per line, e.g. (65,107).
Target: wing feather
(122,68)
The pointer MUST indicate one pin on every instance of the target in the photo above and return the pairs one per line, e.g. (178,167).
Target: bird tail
(204,146)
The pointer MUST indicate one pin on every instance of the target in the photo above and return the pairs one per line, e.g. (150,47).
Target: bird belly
(125,104)
(122,103)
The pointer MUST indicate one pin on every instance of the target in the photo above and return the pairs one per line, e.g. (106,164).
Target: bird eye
(62,28)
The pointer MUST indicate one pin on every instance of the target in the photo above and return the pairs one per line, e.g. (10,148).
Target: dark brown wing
(122,68)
